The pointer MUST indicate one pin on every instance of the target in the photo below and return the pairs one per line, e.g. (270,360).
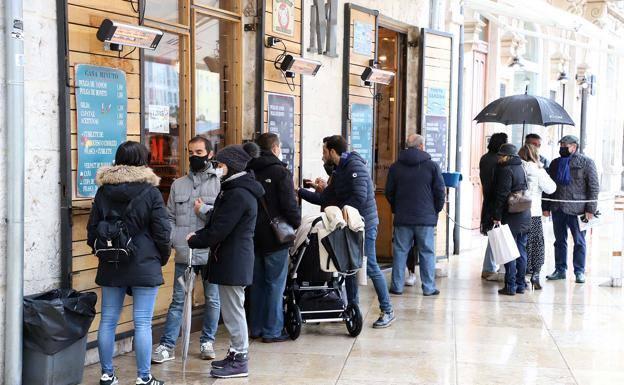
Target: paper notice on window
(158,120)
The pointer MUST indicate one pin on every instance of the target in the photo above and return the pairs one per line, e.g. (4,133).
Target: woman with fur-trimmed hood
(146,220)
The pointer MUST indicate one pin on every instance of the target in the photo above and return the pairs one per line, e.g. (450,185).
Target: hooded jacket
(230,230)
(147,223)
(415,189)
(585,186)
(510,177)
(181,206)
(351,185)
(280,200)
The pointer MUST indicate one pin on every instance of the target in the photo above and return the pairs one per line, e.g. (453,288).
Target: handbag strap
(265,207)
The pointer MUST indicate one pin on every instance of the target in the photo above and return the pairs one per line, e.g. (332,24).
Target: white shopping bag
(361,277)
(585,224)
(503,244)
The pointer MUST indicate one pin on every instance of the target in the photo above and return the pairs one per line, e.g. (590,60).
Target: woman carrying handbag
(512,206)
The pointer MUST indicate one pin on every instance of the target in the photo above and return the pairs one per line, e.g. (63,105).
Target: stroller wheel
(293,321)
(353,320)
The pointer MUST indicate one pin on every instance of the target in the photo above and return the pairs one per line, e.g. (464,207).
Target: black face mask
(564,152)
(329,167)
(198,163)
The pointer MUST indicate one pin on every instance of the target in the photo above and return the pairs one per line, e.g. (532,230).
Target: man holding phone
(190,203)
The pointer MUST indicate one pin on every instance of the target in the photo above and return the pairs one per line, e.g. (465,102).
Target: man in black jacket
(271,263)
(487,167)
(351,185)
(415,190)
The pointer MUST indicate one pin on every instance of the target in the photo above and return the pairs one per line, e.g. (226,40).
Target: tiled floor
(564,334)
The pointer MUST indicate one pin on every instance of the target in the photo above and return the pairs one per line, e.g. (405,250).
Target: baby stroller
(314,292)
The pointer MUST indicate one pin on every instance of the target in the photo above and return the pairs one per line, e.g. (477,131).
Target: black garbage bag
(56,319)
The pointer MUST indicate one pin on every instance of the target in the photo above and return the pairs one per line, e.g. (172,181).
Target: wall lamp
(375,75)
(119,34)
(516,62)
(292,65)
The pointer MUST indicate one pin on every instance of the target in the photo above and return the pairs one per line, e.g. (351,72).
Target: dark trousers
(516,269)
(561,223)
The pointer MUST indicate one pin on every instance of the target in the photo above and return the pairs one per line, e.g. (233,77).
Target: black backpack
(113,242)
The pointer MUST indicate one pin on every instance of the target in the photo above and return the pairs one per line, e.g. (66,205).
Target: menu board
(101,107)
(436,138)
(282,122)
(362,131)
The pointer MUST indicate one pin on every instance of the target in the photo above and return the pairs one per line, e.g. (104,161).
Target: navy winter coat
(351,185)
(510,177)
(229,232)
(148,224)
(280,199)
(415,189)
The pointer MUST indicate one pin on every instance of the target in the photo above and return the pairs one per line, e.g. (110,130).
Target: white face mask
(219,172)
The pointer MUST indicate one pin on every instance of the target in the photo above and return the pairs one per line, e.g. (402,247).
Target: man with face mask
(577,179)
(189,205)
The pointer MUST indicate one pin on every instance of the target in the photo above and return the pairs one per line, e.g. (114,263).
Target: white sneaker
(410,280)
(108,379)
(163,354)
(207,351)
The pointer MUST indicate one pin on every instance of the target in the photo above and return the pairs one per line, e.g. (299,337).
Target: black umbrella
(524,109)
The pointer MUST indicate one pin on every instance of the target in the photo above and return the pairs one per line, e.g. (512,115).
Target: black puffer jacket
(510,177)
(415,189)
(147,222)
(351,185)
(487,168)
(230,230)
(280,198)
(585,186)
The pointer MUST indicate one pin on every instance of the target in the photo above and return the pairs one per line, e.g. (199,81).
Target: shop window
(216,79)
(227,5)
(163,112)
(164,10)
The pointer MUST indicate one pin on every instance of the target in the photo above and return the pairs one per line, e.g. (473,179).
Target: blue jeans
(143,308)
(516,269)
(374,273)
(489,265)
(174,315)
(561,223)
(267,294)
(422,238)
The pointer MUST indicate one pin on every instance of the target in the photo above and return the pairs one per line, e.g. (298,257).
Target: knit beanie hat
(236,157)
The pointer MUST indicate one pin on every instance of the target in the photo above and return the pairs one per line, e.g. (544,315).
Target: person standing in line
(127,192)
(510,177)
(536,140)
(487,167)
(416,192)
(229,235)
(539,182)
(190,201)
(577,179)
(351,185)
(271,261)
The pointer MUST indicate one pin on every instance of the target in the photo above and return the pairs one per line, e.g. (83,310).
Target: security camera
(119,34)
(297,65)
(375,75)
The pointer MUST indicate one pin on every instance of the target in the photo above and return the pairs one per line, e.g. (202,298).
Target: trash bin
(56,324)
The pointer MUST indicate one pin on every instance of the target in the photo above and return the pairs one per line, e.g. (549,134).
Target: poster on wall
(436,138)
(362,38)
(362,131)
(158,119)
(101,107)
(284,17)
(436,101)
(281,121)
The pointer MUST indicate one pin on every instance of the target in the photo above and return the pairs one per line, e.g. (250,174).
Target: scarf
(563,172)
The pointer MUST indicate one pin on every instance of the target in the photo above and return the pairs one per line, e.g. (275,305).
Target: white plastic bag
(503,244)
(361,277)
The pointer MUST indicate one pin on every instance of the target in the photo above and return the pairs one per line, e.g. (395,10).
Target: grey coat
(585,186)
(181,203)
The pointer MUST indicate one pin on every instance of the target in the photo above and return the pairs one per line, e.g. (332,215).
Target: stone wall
(42,262)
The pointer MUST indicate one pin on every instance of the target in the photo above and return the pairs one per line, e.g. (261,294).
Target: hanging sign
(158,119)
(284,17)
(282,122)
(362,38)
(101,108)
(362,131)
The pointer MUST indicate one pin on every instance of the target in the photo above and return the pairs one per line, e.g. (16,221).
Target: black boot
(535,282)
